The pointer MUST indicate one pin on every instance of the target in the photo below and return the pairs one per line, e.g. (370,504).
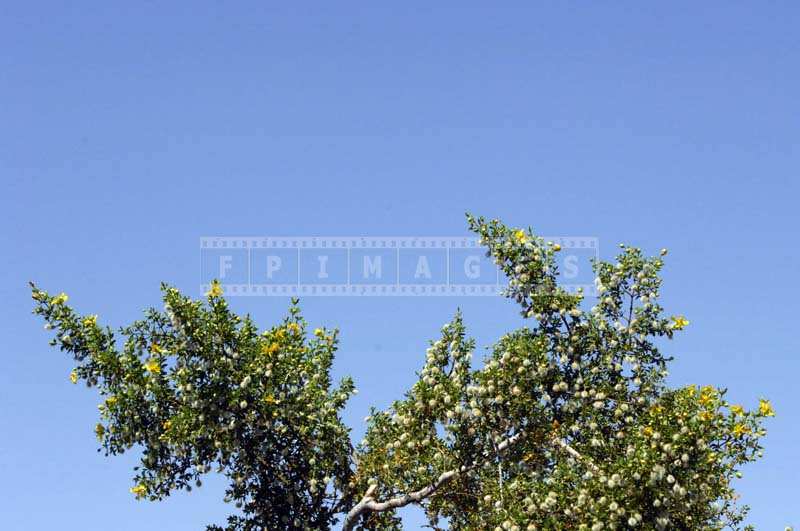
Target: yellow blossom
(270,348)
(99,430)
(61,298)
(737,410)
(520,236)
(294,327)
(556,247)
(155,348)
(707,395)
(319,332)
(706,416)
(648,431)
(152,366)
(90,320)
(765,408)
(215,291)
(73,377)
(679,322)
(740,430)
(167,424)
(269,399)
(139,490)
(111,400)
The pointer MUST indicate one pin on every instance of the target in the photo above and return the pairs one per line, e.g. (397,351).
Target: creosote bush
(567,424)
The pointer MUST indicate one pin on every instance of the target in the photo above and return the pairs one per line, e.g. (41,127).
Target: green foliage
(599,440)
(197,388)
(567,424)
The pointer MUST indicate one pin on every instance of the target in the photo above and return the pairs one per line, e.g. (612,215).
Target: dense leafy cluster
(566,424)
(197,389)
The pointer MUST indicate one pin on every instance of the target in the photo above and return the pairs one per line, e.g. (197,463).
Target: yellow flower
(319,332)
(269,349)
(737,410)
(740,430)
(73,377)
(139,490)
(155,348)
(111,400)
(216,290)
(61,298)
(765,408)
(679,322)
(294,327)
(99,430)
(556,247)
(706,416)
(707,395)
(691,390)
(528,456)
(152,366)
(90,320)
(269,399)
(520,236)
(167,424)
(648,431)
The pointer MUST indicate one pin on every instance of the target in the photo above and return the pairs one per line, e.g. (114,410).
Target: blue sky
(130,131)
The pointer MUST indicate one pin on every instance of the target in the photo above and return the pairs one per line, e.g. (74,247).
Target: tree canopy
(567,423)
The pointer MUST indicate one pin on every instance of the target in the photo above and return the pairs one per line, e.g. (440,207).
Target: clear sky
(128,131)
